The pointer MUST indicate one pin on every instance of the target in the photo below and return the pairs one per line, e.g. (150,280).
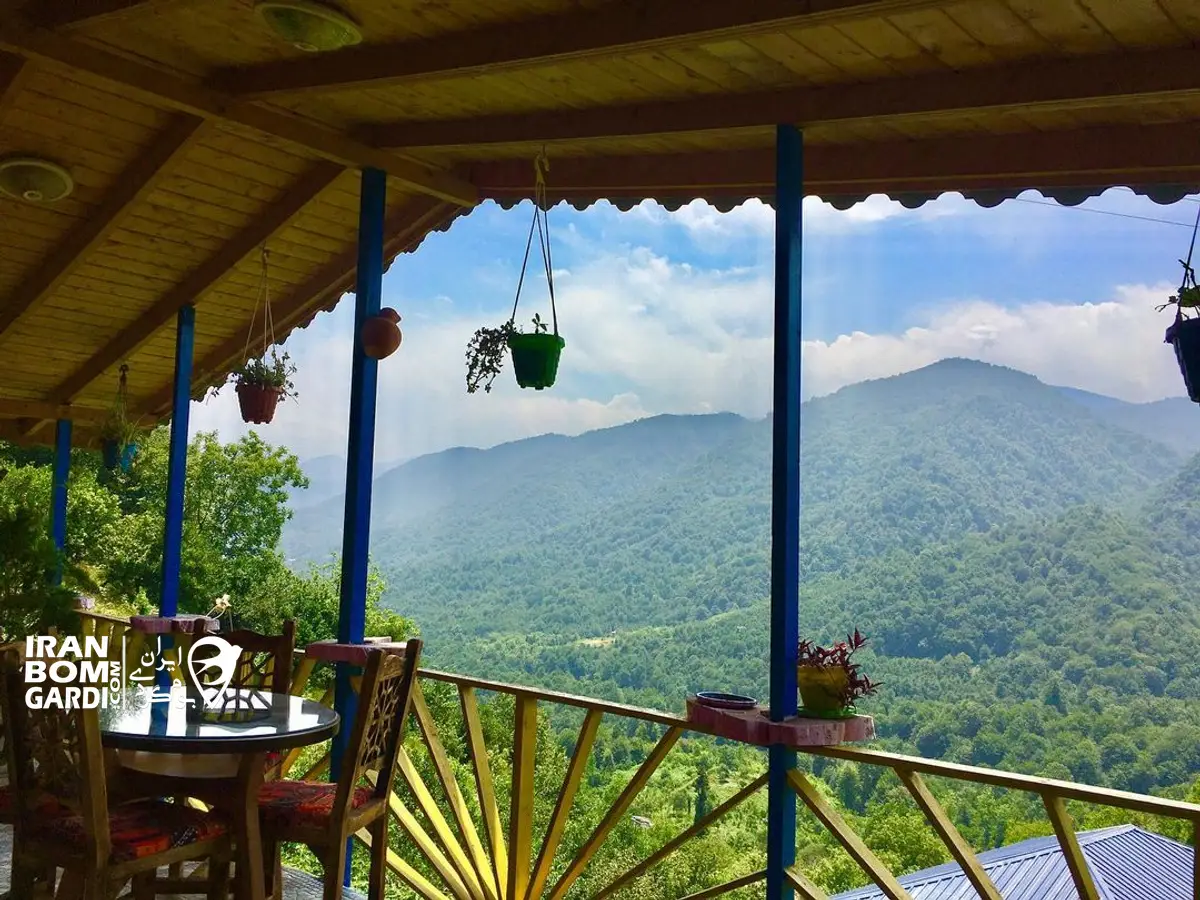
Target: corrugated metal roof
(1126,862)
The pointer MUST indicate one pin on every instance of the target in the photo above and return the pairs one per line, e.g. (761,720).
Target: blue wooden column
(58,495)
(785,500)
(181,399)
(360,454)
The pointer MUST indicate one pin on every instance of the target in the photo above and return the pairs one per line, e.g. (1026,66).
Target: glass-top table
(256,722)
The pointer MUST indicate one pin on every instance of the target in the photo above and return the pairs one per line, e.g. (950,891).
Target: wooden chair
(265,663)
(325,815)
(63,819)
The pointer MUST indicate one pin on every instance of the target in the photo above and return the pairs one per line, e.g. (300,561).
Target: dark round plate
(718,700)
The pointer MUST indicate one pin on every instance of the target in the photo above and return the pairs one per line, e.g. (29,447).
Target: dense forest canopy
(1024,559)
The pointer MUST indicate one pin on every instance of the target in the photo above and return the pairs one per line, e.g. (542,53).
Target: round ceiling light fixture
(308,25)
(34,180)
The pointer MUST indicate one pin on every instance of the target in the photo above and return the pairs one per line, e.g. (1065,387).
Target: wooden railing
(467,852)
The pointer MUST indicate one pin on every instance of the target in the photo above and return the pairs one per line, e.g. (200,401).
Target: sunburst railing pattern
(464,840)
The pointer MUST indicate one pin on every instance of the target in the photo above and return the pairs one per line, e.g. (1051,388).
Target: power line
(1103,212)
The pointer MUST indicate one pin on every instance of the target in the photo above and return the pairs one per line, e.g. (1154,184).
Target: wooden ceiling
(195,137)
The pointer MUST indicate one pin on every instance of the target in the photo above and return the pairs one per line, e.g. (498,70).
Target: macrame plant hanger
(120,407)
(263,299)
(540,224)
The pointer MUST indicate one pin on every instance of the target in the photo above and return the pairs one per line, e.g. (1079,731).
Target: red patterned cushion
(138,829)
(274,758)
(305,803)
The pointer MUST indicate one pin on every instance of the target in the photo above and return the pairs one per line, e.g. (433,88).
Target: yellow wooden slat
(437,821)
(804,888)
(592,844)
(718,890)
(962,852)
(484,785)
(428,848)
(566,799)
(1064,830)
(289,758)
(300,675)
(858,850)
(520,812)
(407,873)
(458,804)
(672,845)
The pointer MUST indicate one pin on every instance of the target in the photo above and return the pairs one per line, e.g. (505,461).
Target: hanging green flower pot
(1184,333)
(535,358)
(535,354)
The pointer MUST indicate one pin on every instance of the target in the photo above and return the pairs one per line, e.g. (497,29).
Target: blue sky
(671,312)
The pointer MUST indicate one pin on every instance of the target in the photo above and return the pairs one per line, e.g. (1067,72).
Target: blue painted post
(181,399)
(360,454)
(785,500)
(58,498)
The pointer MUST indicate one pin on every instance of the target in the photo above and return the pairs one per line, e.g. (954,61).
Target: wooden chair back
(55,755)
(383,705)
(265,662)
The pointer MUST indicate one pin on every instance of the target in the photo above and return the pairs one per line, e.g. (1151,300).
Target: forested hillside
(1019,553)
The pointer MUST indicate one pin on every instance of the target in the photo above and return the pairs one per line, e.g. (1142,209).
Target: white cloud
(647,334)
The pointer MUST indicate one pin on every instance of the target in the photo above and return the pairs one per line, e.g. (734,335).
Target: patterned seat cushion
(138,829)
(284,804)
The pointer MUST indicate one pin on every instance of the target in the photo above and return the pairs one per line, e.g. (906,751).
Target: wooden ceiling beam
(72,13)
(169,91)
(14,72)
(200,281)
(405,229)
(616,28)
(139,179)
(36,409)
(1086,157)
(1061,84)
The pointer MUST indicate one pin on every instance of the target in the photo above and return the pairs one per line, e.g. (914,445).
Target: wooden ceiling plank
(84,12)
(614,29)
(1063,84)
(137,182)
(30,409)
(1126,154)
(192,288)
(405,228)
(14,72)
(164,89)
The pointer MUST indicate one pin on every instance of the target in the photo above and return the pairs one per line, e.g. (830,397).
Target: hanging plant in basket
(266,376)
(535,353)
(829,681)
(1184,333)
(118,436)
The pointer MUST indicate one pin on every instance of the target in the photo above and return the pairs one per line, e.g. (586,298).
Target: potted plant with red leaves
(829,680)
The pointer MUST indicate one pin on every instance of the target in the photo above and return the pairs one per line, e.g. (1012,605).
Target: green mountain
(666,520)
(1023,557)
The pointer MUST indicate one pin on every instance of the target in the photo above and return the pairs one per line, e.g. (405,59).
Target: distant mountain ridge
(667,519)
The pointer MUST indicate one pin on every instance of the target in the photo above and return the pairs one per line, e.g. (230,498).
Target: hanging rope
(121,404)
(263,299)
(540,224)
(1189,274)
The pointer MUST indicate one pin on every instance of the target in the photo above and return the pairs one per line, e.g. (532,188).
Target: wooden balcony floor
(296,885)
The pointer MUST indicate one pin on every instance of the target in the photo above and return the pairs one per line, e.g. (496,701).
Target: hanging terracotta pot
(381,335)
(258,402)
